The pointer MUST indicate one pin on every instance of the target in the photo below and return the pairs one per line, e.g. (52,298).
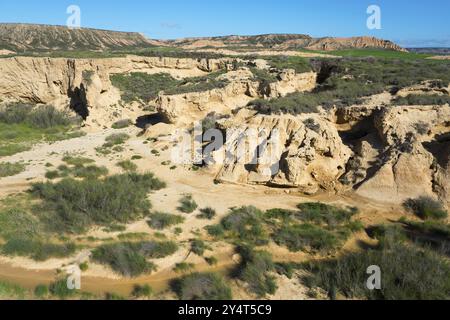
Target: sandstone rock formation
(388,154)
(306,152)
(413,155)
(84,84)
(189,107)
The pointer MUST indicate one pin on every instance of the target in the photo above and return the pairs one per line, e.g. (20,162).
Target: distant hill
(24,37)
(430,50)
(288,41)
(33,37)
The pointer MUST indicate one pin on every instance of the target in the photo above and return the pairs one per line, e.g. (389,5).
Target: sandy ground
(182,180)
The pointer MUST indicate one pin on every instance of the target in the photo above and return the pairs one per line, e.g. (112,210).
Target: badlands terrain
(358,134)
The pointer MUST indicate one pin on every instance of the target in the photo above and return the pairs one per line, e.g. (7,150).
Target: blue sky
(410,23)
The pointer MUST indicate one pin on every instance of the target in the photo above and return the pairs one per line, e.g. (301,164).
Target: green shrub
(141,86)
(77,161)
(198,84)
(73,206)
(255,270)
(304,237)
(215,230)
(41,291)
(245,224)
(426,208)
(15,113)
(202,286)
(127,165)
(60,289)
(146,87)
(212,261)
(21,126)
(142,291)
(12,291)
(422,99)
(408,273)
(187,204)
(130,258)
(52,175)
(116,139)
(36,249)
(286,269)
(92,172)
(263,76)
(111,296)
(160,220)
(198,247)
(299,64)
(183,267)
(43,117)
(320,213)
(122,124)
(207,213)
(8,169)
(84,266)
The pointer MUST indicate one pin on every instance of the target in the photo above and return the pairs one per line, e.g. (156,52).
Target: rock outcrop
(188,107)
(84,84)
(413,155)
(388,154)
(306,151)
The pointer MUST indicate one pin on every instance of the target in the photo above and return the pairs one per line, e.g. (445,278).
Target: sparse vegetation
(128,166)
(8,169)
(36,249)
(255,270)
(142,291)
(207,213)
(122,124)
(59,289)
(77,161)
(264,76)
(116,139)
(12,291)
(299,64)
(347,81)
(161,221)
(187,204)
(183,267)
(422,99)
(198,247)
(141,86)
(73,206)
(243,224)
(41,291)
(202,286)
(23,125)
(146,87)
(408,274)
(212,261)
(316,227)
(130,258)
(426,208)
